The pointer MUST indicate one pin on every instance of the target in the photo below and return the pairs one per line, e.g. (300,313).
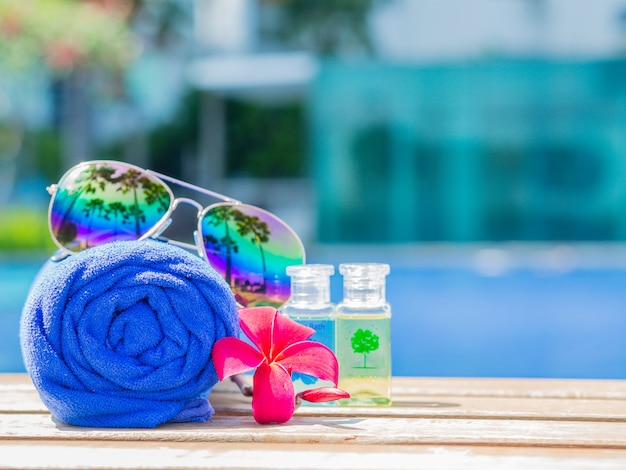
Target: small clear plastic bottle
(363,329)
(310,305)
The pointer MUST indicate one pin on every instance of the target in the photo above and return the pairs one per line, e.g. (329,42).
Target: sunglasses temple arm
(208,192)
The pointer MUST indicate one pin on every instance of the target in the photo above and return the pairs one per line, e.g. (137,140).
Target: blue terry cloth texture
(120,335)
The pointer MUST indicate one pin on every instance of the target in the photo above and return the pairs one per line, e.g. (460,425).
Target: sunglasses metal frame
(161,225)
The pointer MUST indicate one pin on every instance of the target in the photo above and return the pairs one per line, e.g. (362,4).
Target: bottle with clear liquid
(363,330)
(310,305)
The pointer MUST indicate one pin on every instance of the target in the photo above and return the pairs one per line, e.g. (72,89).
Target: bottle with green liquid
(310,305)
(363,343)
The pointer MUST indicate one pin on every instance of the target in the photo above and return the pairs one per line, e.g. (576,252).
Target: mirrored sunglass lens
(101,202)
(251,249)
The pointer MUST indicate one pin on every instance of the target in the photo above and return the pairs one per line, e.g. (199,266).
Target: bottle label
(364,355)
(324,331)
(325,334)
(364,346)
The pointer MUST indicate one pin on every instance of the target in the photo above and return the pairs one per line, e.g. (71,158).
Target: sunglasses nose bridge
(191,202)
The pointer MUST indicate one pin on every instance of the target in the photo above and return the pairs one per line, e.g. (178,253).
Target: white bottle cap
(310,283)
(364,283)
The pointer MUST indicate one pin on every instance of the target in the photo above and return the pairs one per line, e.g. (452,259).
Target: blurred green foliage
(169,142)
(65,34)
(24,229)
(45,146)
(261,141)
(265,142)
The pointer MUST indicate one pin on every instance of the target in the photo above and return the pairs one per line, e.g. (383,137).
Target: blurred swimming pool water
(15,280)
(458,319)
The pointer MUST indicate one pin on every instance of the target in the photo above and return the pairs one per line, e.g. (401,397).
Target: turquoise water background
(459,319)
(16,276)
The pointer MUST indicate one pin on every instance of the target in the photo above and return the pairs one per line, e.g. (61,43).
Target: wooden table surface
(438,423)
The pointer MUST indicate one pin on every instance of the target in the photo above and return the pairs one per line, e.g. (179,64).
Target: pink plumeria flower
(282,348)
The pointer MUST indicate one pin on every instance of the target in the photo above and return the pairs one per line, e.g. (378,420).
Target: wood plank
(467,408)
(171,455)
(455,407)
(339,430)
(434,423)
(482,408)
(509,387)
(453,386)
(20,397)
(451,407)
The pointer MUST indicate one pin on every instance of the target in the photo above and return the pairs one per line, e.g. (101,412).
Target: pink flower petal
(312,358)
(256,323)
(286,332)
(233,356)
(322,394)
(273,398)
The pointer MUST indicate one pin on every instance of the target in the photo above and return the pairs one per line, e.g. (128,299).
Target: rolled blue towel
(120,335)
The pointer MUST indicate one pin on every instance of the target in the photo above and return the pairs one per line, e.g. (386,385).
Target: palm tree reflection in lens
(100,203)
(251,249)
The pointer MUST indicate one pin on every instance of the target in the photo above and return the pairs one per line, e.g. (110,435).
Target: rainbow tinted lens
(251,249)
(100,202)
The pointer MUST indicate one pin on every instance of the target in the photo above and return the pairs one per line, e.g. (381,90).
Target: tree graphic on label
(364,342)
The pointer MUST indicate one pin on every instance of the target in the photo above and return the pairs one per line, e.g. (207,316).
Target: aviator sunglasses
(102,201)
